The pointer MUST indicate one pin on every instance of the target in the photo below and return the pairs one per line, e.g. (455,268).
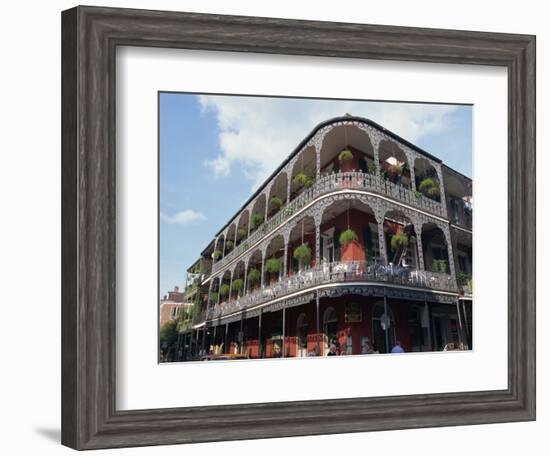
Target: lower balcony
(332,273)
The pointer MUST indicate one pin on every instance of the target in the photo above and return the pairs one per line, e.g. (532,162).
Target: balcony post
(387,323)
(441,190)
(285,259)
(288,185)
(379,215)
(225,338)
(260,335)
(245,286)
(214,338)
(230,285)
(460,329)
(375,140)
(284,322)
(263,270)
(447,232)
(317,322)
(223,248)
(219,288)
(317,244)
(419,249)
(411,158)
(209,291)
(318,145)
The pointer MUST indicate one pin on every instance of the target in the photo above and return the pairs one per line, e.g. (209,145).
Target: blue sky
(216,150)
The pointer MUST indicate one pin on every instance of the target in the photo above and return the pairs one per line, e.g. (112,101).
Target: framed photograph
(262,211)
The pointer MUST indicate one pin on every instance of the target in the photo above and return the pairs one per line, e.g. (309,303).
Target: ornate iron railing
(460,212)
(328,184)
(334,273)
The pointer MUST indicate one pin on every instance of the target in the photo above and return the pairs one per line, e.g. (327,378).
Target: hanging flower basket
(347,237)
(302,254)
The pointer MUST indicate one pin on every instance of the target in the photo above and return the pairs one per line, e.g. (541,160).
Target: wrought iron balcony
(460,212)
(327,184)
(327,273)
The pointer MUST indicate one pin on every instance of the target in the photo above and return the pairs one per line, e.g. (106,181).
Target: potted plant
(253,276)
(228,246)
(241,233)
(302,254)
(272,266)
(257,220)
(224,290)
(345,157)
(217,254)
(275,203)
(439,266)
(213,297)
(303,180)
(429,188)
(237,286)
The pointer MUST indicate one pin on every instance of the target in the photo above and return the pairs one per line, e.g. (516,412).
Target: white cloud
(183,217)
(257,134)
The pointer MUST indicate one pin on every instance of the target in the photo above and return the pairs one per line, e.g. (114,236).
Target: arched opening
(274,258)
(301,246)
(434,246)
(349,233)
(383,328)
(394,165)
(301,335)
(277,195)
(304,172)
(237,283)
(253,278)
(330,328)
(258,213)
(225,287)
(400,236)
(217,254)
(214,292)
(242,227)
(347,137)
(427,180)
(230,241)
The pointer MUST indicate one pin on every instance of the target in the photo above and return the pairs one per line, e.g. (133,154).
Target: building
(359,239)
(173,307)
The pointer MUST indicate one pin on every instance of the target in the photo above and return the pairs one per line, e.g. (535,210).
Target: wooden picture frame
(90,37)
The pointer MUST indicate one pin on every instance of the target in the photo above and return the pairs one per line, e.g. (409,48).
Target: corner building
(359,239)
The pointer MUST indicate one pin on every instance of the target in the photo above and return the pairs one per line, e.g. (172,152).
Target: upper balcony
(366,272)
(331,183)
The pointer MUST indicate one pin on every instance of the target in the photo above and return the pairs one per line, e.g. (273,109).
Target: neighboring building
(370,246)
(173,307)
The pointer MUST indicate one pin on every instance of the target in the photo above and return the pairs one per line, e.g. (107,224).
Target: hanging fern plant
(241,233)
(275,202)
(228,246)
(224,290)
(345,155)
(429,188)
(273,265)
(237,285)
(302,254)
(213,296)
(399,240)
(303,180)
(217,254)
(253,276)
(257,220)
(347,236)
